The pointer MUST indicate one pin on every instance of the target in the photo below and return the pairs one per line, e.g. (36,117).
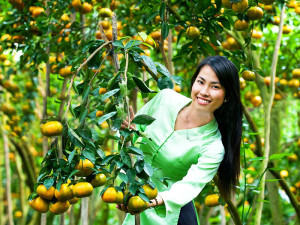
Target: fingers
(125,124)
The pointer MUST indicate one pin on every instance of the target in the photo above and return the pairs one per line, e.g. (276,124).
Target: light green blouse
(189,157)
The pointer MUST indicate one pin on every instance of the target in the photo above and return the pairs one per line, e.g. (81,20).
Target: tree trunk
(84,211)
(1,182)
(272,187)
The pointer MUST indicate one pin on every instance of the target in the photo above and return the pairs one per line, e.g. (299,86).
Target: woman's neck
(196,117)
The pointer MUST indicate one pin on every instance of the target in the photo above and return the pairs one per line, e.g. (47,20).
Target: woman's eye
(200,81)
(216,87)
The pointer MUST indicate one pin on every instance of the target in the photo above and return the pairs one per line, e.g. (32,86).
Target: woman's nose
(204,91)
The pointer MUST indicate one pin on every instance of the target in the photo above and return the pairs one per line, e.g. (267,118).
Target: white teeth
(203,101)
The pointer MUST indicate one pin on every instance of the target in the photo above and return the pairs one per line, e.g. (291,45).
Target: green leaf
(123,177)
(118,43)
(164,83)
(86,92)
(132,43)
(100,153)
(74,138)
(71,156)
(279,156)
(135,150)
(125,158)
(162,10)
(148,169)
(109,94)
(40,177)
(224,22)
(262,200)
(142,86)
(164,30)
(144,197)
(201,6)
(143,35)
(72,174)
(133,188)
(89,154)
(83,115)
(177,79)
(143,119)
(106,117)
(213,39)
(163,70)
(257,159)
(272,180)
(48,183)
(150,16)
(148,61)
(139,166)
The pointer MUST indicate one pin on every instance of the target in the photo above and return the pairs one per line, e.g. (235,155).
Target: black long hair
(229,118)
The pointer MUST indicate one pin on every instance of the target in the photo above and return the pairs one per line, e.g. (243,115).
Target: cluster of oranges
(133,203)
(58,201)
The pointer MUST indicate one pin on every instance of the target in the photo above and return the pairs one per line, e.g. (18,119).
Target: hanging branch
(114,38)
(261,195)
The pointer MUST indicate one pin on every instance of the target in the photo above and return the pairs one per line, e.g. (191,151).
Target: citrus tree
(71,69)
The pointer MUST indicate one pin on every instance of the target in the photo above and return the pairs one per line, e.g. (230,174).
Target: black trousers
(188,215)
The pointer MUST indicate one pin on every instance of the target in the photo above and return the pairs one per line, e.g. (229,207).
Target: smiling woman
(191,140)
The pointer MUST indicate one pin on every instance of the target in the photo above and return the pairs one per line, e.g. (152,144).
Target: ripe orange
(45,193)
(240,25)
(99,113)
(104,125)
(66,71)
(293,158)
(212,200)
(120,197)
(150,192)
(65,193)
(39,205)
(276,20)
(82,189)
(136,204)
(193,32)
(84,167)
(73,200)
(37,11)
(105,12)
(156,35)
(102,90)
(286,29)
(292,4)
(297,184)
(51,128)
(98,180)
(255,13)
(18,214)
(110,195)
(257,34)
(113,5)
(296,73)
(239,7)
(256,101)
(248,75)
(284,173)
(59,207)
(177,88)
(76,4)
(86,8)
(105,24)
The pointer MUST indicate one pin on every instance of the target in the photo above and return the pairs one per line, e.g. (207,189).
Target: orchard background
(70,69)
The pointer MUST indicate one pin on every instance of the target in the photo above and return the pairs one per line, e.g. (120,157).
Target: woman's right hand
(125,123)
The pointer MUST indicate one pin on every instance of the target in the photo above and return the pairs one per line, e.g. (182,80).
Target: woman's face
(207,93)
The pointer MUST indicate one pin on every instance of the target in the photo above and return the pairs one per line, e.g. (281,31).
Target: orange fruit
(276,20)
(150,192)
(105,24)
(239,7)
(284,173)
(212,200)
(51,128)
(39,205)
(45,193)
(102,90)
(66,71)
(84,167)
(193,32)
(240,25)
(292,4)
(256,101)
(136,203)
(98,180)
(257,34)
(293,158)
(120,197)
(177,88)
(255,13)
(105,12)
(99,113)
(59,207)
(64,193)
(76,4)
(110,195)
(156,35)
(18,214)
(296,73)
(86,8)
(37,11)
(297,184)
(286,29)
(248,75)
(82,189)
(113,5)
(73,200)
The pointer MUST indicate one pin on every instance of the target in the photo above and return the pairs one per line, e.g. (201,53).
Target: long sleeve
(198,175)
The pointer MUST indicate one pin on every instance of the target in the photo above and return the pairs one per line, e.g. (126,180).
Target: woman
(191,141)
